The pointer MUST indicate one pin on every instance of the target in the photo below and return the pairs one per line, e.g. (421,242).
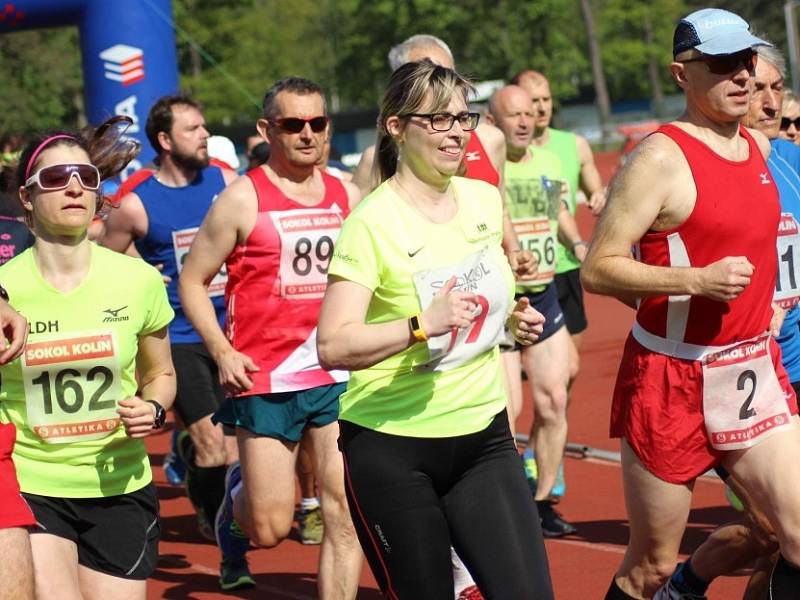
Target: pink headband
(41,147)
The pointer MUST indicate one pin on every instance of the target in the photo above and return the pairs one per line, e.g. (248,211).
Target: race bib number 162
(72,386)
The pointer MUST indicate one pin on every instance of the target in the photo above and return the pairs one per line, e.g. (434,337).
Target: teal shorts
(284,415)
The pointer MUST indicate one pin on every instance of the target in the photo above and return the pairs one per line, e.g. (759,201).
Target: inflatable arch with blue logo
(127,48)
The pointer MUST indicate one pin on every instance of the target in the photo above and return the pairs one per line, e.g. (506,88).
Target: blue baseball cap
(714,31)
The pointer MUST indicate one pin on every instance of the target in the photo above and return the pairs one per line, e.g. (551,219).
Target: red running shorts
(658,409)
(14,511)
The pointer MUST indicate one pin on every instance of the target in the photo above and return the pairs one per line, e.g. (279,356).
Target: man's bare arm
(125,224)
(366,175)
(590,181)
(643,197)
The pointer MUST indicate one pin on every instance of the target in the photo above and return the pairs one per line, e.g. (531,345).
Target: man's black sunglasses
(726,64)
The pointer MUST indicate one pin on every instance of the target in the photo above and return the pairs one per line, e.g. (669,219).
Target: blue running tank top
(174,215)
(784,166)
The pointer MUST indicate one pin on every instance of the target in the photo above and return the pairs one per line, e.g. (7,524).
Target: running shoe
(553,526)
(311,527)
(232,541)
(668,592)
(470,593)
(174,469)
(235,575)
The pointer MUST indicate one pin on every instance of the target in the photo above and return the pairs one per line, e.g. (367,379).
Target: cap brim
(729,44)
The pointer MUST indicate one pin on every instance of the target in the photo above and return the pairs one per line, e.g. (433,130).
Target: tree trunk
(653,68)
(600,87)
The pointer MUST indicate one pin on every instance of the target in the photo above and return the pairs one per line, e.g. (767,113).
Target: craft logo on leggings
(72,385)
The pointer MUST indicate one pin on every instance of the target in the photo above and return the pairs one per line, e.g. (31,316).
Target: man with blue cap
(701,384)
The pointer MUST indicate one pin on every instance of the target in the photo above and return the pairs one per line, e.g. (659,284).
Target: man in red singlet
(275,229)
(700,383)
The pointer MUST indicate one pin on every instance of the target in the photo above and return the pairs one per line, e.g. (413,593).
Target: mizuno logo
(764,179)
(113,314)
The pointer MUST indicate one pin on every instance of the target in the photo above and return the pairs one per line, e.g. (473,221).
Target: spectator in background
(790,121)
(222,153)
(258,155)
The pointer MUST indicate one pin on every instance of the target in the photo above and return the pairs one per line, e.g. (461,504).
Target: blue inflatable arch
(127,48)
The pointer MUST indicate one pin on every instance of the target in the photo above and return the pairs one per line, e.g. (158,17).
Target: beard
(190,162)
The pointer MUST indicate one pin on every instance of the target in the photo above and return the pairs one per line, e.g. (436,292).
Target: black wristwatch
(3,293)
(161,415)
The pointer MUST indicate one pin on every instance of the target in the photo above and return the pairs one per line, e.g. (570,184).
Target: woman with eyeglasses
(418,293)
(790,118)
(97,319)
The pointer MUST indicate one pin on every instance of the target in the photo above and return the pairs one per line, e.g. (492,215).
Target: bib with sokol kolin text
(307,237)
(743,402)
(72,385)
(477,273)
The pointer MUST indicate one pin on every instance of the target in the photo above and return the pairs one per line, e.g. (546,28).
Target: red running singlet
(736,213)
(276,281)
(478,163)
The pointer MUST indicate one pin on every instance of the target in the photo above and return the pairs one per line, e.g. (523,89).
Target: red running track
(581,565)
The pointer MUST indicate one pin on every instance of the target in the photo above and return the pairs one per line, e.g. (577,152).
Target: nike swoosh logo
(413,254)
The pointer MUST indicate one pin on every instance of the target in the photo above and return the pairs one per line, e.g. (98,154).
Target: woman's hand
(525,322)
(137,416)
(449,310)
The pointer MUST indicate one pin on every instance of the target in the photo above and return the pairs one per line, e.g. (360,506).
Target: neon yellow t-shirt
(534,194)
(387,247)
(79,360)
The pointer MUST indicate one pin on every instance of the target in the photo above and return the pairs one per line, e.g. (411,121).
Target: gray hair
(773,56)
(398,56)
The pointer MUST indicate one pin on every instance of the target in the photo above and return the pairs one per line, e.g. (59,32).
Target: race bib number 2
(743,402)
(72,385)
(307,237)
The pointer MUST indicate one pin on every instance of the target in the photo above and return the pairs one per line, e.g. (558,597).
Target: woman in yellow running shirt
(96,318)
(418,294)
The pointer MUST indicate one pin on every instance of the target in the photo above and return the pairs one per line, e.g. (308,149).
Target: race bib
(307,237)
(181,242)
(72,386)
(787,286)
(536,236)
(743,402)
(477,274)
(536,202)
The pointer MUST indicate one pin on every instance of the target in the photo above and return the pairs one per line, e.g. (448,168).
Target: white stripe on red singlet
(677,306)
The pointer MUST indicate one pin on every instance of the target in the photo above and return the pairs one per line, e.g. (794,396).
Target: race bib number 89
(72,385)
(307,237)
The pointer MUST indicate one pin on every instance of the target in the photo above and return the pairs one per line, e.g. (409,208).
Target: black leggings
(412,498)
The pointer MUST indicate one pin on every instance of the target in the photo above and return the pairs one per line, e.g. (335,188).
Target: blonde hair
(408,89)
